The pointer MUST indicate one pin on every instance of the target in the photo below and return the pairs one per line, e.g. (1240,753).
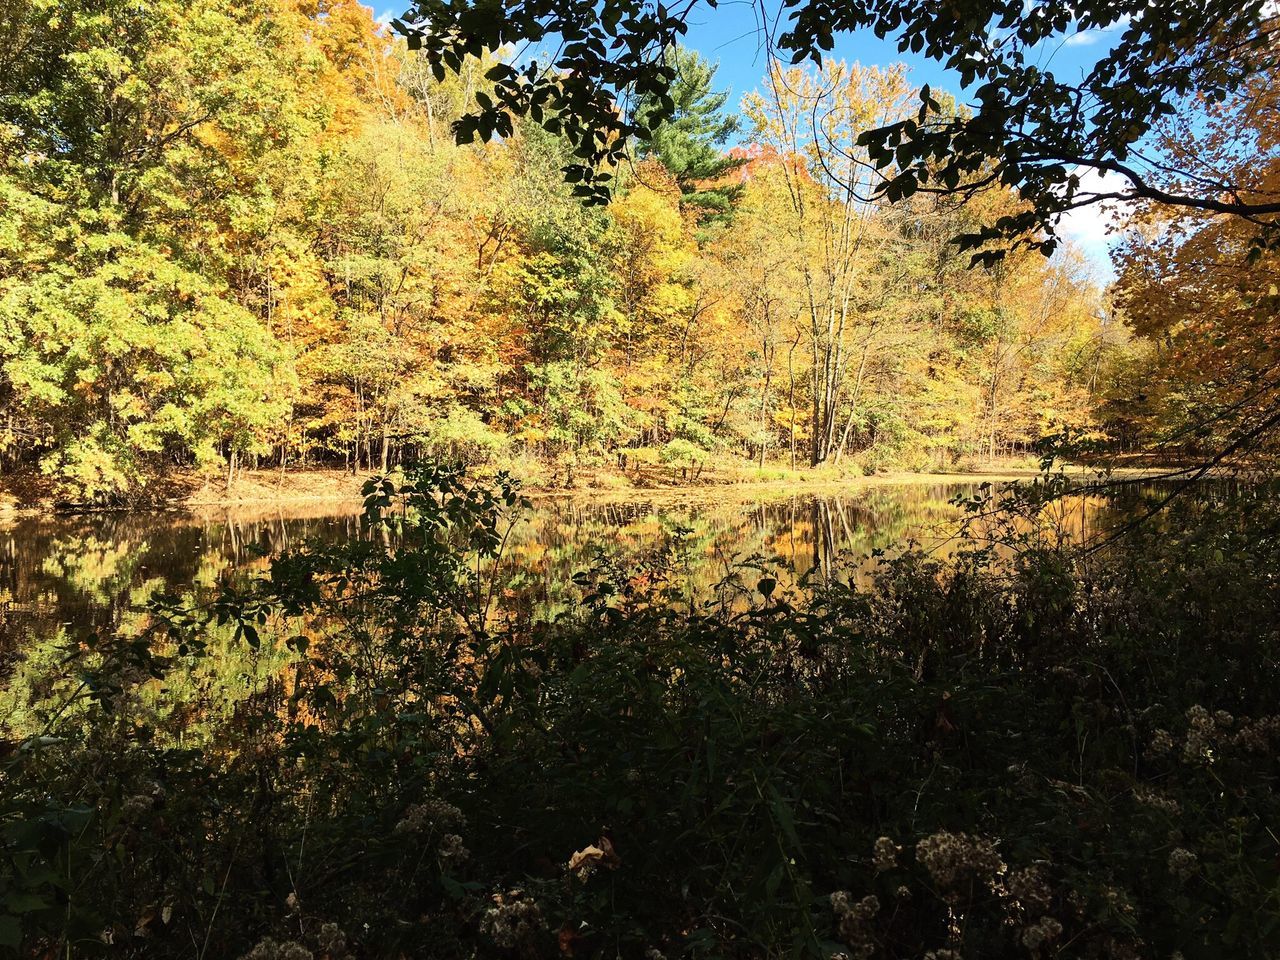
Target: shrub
(1050,753)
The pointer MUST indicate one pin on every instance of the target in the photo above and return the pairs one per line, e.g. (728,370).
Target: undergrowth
(1039,753)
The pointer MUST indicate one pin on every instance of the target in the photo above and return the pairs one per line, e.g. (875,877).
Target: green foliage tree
(232,236)
(691,144)
(1033,129)
(120,344)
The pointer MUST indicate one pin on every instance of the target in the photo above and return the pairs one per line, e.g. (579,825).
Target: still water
(91,574)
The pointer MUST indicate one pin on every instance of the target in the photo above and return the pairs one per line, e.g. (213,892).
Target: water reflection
(705,538)
(87,574)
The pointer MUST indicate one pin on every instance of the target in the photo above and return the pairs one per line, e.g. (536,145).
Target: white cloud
(1088,37)
(1089,227)
(1082,39)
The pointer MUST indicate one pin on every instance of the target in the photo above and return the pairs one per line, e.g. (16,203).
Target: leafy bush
(682,454)
(466,435)
(1051,754)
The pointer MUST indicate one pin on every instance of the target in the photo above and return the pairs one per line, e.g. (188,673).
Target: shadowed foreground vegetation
(1029,754)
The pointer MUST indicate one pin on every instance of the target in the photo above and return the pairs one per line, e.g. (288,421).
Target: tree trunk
(764,402)
(791,395)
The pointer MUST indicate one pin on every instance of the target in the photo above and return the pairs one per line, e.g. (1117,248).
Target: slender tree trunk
(764,401)
(791,394)
(816,418)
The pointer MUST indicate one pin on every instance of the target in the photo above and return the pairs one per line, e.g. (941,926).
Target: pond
(91,573)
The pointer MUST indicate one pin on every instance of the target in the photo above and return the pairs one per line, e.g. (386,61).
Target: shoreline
(267,488)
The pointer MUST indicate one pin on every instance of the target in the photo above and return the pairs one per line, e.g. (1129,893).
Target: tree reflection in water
(90,574)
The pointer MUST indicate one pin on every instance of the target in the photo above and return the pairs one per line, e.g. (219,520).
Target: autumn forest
(243,235)
(602,480)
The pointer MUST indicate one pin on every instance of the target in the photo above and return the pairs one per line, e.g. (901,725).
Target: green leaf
(10,931)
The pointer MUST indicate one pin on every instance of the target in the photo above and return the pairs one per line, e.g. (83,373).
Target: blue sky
(729,35)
